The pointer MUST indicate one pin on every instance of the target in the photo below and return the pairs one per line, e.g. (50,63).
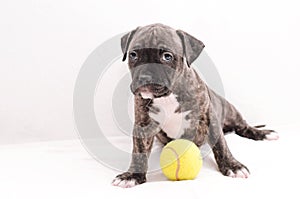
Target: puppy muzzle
(153,78)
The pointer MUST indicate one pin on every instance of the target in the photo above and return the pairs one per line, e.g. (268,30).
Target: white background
(254,44)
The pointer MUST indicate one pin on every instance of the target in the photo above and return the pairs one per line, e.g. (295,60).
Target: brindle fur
(210,116)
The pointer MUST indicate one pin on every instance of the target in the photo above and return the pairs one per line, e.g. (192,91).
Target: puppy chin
(147,95)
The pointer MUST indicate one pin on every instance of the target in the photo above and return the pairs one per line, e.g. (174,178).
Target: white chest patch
(170,122)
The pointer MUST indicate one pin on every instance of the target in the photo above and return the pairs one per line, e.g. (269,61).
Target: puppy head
(156,54)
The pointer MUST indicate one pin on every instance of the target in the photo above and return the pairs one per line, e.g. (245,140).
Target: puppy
(171,101)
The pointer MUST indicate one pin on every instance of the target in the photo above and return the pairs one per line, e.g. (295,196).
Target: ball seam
(178,161)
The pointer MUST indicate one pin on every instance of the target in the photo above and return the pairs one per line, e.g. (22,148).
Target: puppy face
(153,71)
(155,57)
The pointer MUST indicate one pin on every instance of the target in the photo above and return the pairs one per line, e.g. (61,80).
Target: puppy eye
(166,56)
(133,55)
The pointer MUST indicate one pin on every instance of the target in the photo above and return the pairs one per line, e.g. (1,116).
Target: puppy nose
(145,78)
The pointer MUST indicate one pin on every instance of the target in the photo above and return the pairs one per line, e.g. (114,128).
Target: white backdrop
(254,44)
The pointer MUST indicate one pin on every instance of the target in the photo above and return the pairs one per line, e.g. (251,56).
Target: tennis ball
(180,160)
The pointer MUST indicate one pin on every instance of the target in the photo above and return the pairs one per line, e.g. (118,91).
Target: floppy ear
(192,47)
(125,41)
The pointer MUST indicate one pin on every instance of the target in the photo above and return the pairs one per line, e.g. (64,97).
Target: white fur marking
(242,173)
(116,182)
(230,174)
(147,95)
(123,183)
(245,172)
(170,122)
(272,136)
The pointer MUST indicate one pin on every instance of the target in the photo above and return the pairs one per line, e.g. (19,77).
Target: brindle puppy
(171,101)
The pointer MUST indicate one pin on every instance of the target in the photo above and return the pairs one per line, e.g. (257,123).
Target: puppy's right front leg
(136,173)
(143,135)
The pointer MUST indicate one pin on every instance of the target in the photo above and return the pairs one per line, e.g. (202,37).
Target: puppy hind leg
(243,129)
(255,133)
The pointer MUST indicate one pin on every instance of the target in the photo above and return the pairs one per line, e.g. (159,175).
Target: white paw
(123,183)
(241,173)
(272,136)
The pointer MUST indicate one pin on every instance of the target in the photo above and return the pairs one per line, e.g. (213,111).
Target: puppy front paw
(128,179)
(234,169)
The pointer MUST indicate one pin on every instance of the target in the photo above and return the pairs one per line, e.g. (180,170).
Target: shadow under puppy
(171,101)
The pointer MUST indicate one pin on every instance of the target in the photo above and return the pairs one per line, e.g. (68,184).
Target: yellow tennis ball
(180,160)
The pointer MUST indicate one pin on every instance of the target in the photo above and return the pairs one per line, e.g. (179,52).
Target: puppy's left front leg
(227,164)
(136,173)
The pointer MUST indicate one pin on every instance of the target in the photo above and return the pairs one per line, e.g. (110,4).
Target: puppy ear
(125,41)
(192,47)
